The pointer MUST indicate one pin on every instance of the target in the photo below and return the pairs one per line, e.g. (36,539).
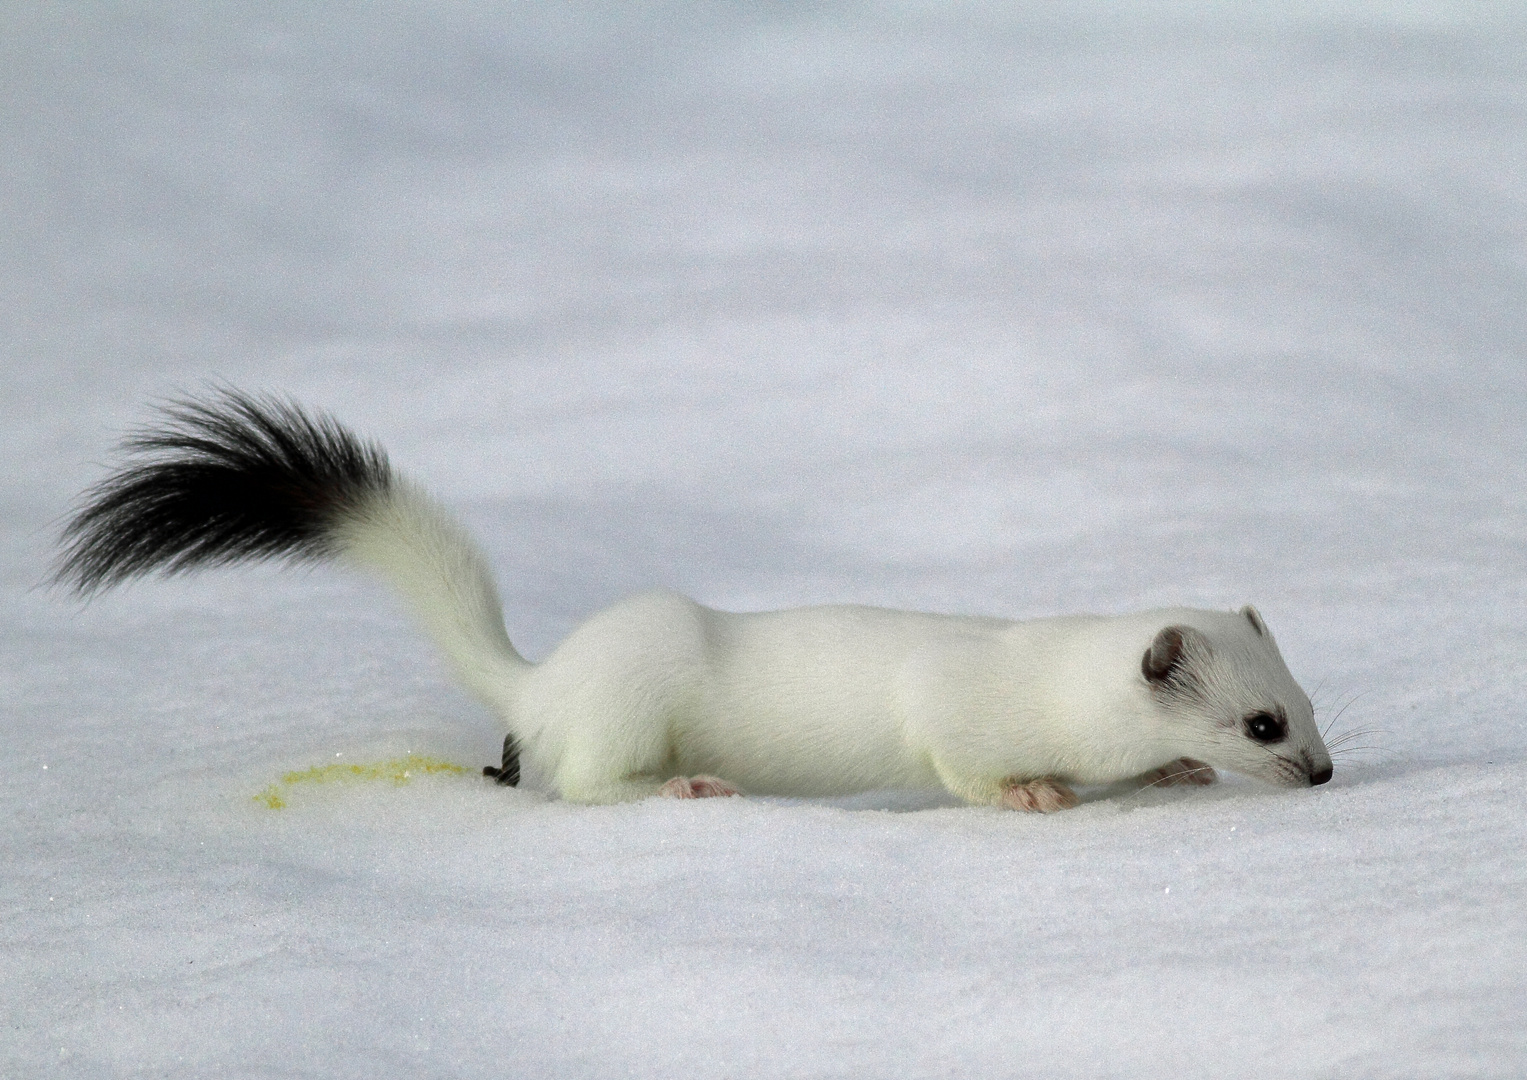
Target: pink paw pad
(1044,795)
(696,787)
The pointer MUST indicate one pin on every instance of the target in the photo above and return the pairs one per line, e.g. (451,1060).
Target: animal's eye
(1264,727)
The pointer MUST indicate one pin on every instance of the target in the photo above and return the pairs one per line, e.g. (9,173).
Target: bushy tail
(242,478)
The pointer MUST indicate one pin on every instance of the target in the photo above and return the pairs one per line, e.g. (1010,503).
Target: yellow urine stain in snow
(397,770)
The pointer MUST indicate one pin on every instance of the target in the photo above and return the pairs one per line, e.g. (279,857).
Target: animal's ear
(1255,620)
(1166,654)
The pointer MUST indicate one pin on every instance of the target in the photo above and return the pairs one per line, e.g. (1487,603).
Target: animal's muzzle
(1320,777)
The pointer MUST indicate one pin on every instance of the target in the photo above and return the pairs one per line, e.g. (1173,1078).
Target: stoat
(659,695)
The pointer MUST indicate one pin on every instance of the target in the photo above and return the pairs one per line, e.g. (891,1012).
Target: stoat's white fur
(658,693)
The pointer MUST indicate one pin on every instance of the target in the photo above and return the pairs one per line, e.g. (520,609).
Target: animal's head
(1225,679)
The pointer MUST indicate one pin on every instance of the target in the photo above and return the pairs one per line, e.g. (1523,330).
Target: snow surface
(1012,310)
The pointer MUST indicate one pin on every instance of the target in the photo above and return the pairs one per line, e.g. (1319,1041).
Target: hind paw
(1182,771)
(1043,795)
(696,787)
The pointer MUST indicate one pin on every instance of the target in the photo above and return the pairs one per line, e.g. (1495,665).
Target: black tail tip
(230,478)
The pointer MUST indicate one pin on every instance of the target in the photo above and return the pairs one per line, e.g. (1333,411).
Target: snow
(1014,310)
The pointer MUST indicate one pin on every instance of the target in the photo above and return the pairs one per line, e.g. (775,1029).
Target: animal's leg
(976,790)
(644,786)
(1182,771)
(623,759)
(602,792)
(1044,795)
(507,773)
(696,787)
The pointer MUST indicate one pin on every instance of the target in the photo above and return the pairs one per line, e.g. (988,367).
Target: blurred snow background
(1011,309)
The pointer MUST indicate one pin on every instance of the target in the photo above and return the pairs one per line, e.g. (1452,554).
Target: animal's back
(806,701)
(812,701)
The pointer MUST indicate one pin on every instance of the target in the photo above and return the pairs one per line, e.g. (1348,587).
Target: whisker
(1143,788)
(1332,722)
(1355,733)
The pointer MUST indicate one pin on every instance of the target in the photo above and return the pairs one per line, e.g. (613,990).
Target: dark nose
(1320,777)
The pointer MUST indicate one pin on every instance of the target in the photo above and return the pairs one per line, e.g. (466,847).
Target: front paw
(1043,796)
(696,787)
(1182,771)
